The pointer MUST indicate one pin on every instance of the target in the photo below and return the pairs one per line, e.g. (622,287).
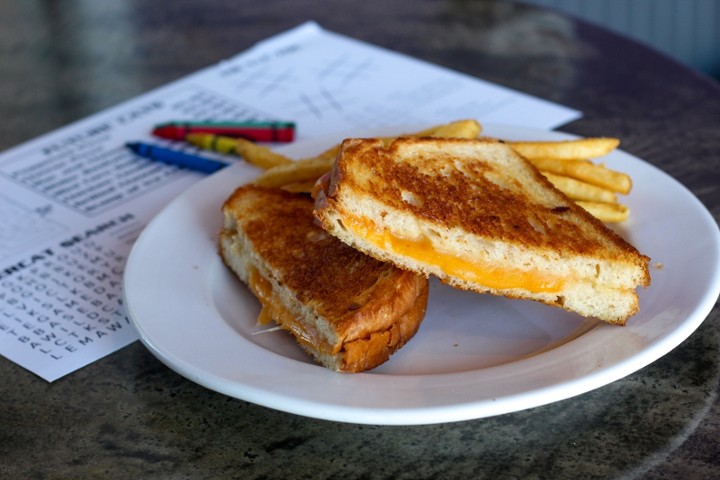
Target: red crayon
(255,131)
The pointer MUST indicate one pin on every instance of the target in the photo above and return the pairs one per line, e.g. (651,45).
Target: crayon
(175,157)
(209,141)
(255,131)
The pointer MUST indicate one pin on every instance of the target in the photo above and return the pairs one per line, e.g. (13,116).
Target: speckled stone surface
(128,415)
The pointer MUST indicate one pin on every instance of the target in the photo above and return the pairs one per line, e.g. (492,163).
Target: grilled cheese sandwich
(346,309)
(480,217)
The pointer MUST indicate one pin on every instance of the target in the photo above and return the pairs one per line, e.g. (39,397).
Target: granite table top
(129,415)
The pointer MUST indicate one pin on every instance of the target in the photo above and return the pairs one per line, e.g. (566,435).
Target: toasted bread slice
(480,217)
(348,310)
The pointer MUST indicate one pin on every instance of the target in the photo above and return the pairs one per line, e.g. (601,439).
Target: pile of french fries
(567,164)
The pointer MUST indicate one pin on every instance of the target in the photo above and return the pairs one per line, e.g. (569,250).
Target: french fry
(458,129)
(330,153)
(578,190)
(300,187)
(586,171)
(566,149)
(259,155)
(309,169)
(606,212)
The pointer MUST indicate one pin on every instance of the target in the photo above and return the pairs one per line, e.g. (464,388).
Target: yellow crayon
(217,143)
(258,155)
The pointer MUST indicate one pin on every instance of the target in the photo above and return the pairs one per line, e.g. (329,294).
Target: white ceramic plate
(474,355)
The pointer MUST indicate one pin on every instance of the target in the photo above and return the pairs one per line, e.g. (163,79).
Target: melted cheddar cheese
(273,309)
(470,270)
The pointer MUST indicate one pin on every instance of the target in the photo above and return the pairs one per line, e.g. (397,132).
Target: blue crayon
(176,157)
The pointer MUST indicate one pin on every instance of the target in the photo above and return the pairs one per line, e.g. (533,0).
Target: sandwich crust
(348,310)
(480,217)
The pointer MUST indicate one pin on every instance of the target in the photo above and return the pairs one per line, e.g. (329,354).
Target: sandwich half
(346,309)
(480,217)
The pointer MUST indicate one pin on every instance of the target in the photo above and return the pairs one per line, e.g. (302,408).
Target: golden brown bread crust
(481,204)
(363,309)
(499,212)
